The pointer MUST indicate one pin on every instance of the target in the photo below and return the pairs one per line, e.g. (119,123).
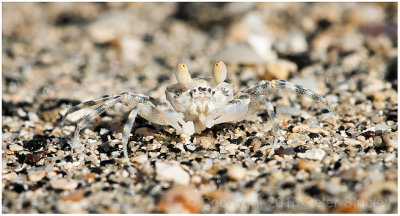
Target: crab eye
(219,72)
(182,74)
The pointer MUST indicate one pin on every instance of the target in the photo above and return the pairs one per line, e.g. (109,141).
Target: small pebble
(318,131)
(347,208)
(236,173)
(377,141)
(65,184)
(379,105)
(206,142)
(313,154)
(389,157)
(296,129)
(390,139)
(231,148)
(10,175)
(74,196)
(352,142)
(175,173)
(307,165)
(35,157)
(190,147)
(279,69)
(140,159)
(195,180)
(36,175)
(381,127)
(15,147)
(181,200)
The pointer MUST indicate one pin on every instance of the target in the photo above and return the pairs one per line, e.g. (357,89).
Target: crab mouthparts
(200,112)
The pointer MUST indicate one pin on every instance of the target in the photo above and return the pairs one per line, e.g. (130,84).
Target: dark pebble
(148,38)
(26,204)
(141,78)
(220,180)
(237,140)
(10,109)
(173,148)
(391,74)
(62,172)
(290,128)
(162,155)
(313,190)
(258,154)
(368,134)
(161,62)
(222,171)
(104,162)
(187,163)
(18,187)
(288,151)
(279,150)
(250,184)
(33,158)
(21,158)
(337,165)
(313,135)
(324,24)
(38,142)
(87,193)
(263,195)
(300,148)
(287,185)
(107,149)
(68,158)
(96,170)
(380,148)
(351,183)
(301,59)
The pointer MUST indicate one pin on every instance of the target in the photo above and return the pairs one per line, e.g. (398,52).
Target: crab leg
(277,130)
(282,84)
(96,112)
(267,88)
(127,130)
(83,105)
(254,105)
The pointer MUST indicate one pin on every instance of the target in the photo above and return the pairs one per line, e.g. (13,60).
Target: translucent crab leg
(89,103)
(126,132)
(267,88)
(282,84)
(277,129)
(96,112)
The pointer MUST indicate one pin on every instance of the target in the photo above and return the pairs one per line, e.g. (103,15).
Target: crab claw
(219,72)
(177,122)
(182,74)
(188,128)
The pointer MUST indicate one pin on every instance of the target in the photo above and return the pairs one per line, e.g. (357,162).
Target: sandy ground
(58,54)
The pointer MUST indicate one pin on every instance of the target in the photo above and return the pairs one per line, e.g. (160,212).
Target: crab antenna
(182,74)
(219,72)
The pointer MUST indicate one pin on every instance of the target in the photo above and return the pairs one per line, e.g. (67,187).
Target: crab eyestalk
(182,74)
(219,72)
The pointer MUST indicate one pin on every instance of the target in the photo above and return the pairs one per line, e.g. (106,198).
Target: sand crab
(195,104)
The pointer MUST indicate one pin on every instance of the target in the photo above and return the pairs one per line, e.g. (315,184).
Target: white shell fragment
(65,184)
(182,74)
(313,154)
(36,176)
(175,173)
(219,72)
